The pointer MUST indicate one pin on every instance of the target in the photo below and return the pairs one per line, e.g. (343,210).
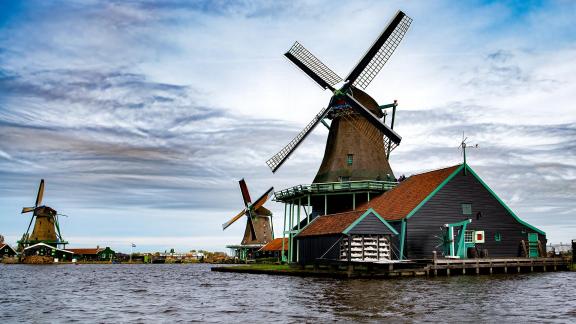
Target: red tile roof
(85,251)
(275,245)
(331,224)
(397,203)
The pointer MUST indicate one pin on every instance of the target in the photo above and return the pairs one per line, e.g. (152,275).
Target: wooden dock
(439,267)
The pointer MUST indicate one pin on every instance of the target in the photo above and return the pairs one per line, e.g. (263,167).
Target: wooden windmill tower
(46,226)
(359,142)
(258,230)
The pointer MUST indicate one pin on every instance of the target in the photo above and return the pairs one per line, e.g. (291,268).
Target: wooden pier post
(434,256)
(505,267)
(350,270)
(490,266)
(477,267)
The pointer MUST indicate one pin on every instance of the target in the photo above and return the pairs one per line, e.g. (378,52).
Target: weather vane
(463,146)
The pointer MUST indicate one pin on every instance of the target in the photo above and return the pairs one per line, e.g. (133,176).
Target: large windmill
(359,142)
(258,230)
(46,228)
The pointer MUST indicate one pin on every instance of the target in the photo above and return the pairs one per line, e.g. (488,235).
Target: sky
(142,116)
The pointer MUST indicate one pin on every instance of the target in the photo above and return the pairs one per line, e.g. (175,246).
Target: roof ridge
(433,170)
(346,212)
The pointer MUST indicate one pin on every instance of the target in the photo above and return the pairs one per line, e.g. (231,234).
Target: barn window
(497,237)
(467,209)
(343,179)
(469,236)
(350,159)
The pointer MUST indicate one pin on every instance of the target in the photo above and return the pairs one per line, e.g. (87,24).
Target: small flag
(133,245)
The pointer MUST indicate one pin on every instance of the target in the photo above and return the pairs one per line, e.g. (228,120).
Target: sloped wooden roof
(275,245)
(86,251)
(397,203)
(331,224)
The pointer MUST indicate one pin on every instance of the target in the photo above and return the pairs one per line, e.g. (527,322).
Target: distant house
(273,249)
(6,251)
(451,212)
(43,249)
(93,254)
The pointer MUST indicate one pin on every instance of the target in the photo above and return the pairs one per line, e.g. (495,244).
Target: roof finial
(463,145)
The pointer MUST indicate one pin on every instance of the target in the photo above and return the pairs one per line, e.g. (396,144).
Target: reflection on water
(151,293)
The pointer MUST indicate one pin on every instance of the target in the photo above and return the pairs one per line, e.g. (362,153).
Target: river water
(187,293)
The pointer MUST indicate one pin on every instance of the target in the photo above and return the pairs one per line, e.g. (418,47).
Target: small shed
(6,251)
(273,249)
(360,235)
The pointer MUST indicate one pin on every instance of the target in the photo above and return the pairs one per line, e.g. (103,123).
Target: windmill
(46,227)
(258,230)
(353,112)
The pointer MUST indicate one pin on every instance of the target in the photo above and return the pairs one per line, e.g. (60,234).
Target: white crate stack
(370,248)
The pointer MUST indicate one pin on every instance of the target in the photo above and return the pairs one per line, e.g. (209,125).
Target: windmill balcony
(333,187)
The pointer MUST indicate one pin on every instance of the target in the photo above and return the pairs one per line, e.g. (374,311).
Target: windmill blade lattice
(279,158)
(384,46)
(312,66)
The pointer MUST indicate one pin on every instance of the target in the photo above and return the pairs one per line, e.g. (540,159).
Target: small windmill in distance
(463,146)
(259,229)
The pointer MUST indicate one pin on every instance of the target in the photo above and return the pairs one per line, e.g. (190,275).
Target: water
(187,293)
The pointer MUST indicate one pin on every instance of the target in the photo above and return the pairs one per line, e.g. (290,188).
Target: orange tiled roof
(331,224)
(397,203)
(85,251)
(275,245)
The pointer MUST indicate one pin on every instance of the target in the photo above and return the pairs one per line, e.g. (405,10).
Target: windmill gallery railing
(334,187)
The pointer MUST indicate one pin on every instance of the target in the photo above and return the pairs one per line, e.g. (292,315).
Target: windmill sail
(312,66)
(279,158)
(375,58)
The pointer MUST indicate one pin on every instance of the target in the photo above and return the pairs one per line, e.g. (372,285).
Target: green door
(533,245)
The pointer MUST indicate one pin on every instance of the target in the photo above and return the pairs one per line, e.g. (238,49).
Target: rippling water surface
(183,293)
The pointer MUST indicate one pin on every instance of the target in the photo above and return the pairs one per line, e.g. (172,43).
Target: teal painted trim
(402,238)
(423,202)
(366,213)
(503,204)
(461,253)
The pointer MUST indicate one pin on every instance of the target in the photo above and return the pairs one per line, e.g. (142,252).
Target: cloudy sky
(142,115)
